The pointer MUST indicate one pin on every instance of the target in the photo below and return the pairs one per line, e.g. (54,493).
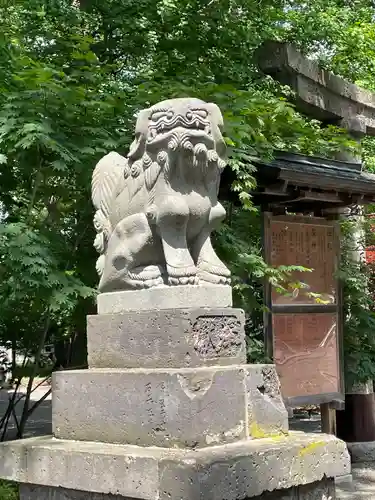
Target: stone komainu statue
(156,209)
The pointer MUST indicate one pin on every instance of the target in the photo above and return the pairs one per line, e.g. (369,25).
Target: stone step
(165,297)
(190,407)
(296,465)
(169,338)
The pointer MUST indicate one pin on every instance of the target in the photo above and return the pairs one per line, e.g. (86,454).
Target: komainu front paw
(146,277)
(216,274)
(182,275)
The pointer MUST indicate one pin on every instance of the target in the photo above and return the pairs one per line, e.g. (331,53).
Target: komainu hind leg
(122,268)
(210,268)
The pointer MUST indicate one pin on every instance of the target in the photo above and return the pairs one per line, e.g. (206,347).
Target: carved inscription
(310,245)
(217,336)
(155,406)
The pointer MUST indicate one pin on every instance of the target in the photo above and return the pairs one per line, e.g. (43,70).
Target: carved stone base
(165,297)
(320,490)
(241,470)
(191,407)
(31,492)
(170,338)
(212,430)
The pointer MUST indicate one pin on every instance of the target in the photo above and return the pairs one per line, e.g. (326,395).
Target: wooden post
(357,422)
(328,418)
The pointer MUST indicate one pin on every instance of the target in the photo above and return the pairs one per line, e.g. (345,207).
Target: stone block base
(165,297)
(169,338)
(320,490)
(31,492)
(186,408)
(247,469)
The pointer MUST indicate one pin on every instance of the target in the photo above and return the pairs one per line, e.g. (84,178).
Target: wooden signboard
(310,246)
(303,328)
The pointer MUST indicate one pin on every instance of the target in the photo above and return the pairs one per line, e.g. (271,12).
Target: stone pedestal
(320,490)
(168,410)
(246,469)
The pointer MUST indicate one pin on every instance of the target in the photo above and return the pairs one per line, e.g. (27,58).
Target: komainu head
(186,130)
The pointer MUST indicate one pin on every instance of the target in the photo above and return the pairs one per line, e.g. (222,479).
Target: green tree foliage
(8,491)
(358,292)
(73,74)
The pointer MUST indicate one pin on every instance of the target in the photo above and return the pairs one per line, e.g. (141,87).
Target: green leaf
(59,165)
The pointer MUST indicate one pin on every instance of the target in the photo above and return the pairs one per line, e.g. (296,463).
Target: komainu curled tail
(106,179)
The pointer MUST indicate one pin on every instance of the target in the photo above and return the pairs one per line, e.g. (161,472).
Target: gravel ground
(362,486)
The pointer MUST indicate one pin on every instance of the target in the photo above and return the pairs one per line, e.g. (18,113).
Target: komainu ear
(138,145)
(216,115)
(217,130)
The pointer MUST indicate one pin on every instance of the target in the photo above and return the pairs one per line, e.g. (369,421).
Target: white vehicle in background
(5,367)
(47,356)
(47,359)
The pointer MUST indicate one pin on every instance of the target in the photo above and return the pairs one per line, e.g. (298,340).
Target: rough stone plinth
(266,412)
(34,492)
(229,472)
(191,407)
(165,297)
(169,338)
(319,490)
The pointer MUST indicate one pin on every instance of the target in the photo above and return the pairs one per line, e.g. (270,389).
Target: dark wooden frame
(336,399)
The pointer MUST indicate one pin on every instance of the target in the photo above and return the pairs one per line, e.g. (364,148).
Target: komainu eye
(201,112)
